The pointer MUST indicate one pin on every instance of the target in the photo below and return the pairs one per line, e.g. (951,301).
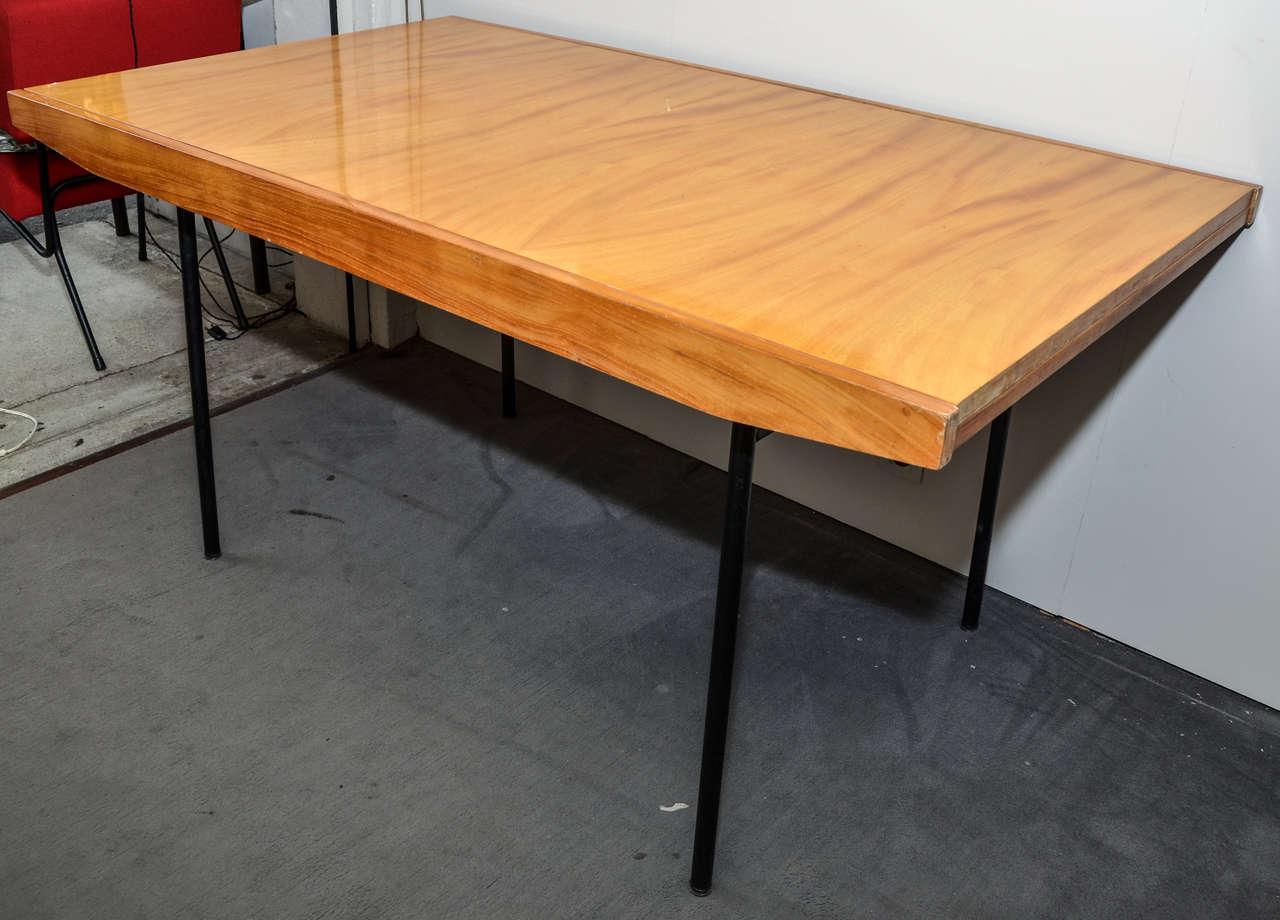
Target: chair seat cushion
(20,185)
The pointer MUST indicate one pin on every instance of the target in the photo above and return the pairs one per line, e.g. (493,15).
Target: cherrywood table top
(846,271)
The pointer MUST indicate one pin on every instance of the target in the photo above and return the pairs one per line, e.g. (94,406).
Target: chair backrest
(46,40)
(175,30)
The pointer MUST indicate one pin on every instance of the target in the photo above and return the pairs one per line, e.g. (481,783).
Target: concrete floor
(453,666)
(135,309)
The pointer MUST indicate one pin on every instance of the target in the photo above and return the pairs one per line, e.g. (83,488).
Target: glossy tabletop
(846,271)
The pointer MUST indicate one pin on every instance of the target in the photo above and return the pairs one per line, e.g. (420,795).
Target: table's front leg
(190,262)
(733,547)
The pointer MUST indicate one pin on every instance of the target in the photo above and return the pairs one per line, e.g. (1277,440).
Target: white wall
(259,22)
(298,19)
(367,14)
(1140,495)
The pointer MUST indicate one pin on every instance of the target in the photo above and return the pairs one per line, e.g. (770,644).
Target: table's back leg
(723,641)
(199,381)
(986,521)
(508,377)
(258,259)
(352,345)
(120,216)
(142,226)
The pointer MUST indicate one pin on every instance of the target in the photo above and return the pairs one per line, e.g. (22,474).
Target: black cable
(222,239)
(255,322)
(213,271)
(288,261)
(263,319)
(133,31)
(221,316)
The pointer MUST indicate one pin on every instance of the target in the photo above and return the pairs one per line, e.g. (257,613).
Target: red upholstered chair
(46,40)
(177,30)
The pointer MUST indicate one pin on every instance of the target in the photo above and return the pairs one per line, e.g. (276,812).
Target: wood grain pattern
(845,271)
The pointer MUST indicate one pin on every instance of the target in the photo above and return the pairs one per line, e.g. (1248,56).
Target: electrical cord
(262,319)
(35,426)
(288,261)
(222,315)
(214,271)
(133,31)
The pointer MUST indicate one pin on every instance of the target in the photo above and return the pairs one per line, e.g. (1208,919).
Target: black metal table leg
(120,216)
(352,345)
(258,258)
(242,321)
(997,439)
(508,377)
(199,381)
(733,548)
(142,227)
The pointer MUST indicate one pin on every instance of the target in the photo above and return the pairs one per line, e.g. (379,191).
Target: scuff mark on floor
(303,512)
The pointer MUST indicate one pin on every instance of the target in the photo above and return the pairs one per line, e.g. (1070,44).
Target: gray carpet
(452,666)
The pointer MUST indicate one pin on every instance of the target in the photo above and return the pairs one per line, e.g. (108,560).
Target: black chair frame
(52,248)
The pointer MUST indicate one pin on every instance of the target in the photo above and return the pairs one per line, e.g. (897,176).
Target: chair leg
(61,258)
(121,216)
(242,322)
(258,256)
(53,242)
(142,227)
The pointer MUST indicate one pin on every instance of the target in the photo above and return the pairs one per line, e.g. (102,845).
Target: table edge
(1002,391)
(90,139)
(1257,189)
(959,421)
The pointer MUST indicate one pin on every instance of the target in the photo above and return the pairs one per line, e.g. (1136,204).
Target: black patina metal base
(258,258)
(52,245)
(242,321)
(194,316)
(141,201)
(52,248)
(733,549)
(728,602)
(977,585)
(724,638)
(120,216)
(508,377)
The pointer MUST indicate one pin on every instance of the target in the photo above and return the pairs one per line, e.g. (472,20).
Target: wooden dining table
(792,260)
